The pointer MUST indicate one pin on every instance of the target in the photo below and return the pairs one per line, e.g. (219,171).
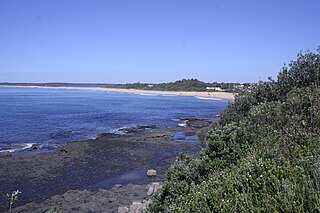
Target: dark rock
(63,150)
(104,135)
(136,129)
(128,130)
(146,126)
(198,123)
(5,155)
(34,147)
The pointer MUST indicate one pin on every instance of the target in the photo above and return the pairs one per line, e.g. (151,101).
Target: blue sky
(119,41)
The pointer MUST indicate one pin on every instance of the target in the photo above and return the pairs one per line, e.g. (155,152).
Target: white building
(214,88)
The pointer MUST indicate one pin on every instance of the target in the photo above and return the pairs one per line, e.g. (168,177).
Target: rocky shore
(97,175)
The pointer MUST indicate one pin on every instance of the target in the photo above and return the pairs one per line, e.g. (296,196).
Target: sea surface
(51,117)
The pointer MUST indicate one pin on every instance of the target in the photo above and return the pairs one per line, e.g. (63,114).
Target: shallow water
(132,177)
(182,137)
(51,117)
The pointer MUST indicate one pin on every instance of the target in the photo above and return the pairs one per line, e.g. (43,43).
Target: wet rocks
(139,128)
(144,127)
(196,122)
(34,147)
(63,150)
(84,163)
(105,135)
(117,186)
(5,155)
(152,173)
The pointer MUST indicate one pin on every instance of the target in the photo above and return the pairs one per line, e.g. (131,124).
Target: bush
(263,157)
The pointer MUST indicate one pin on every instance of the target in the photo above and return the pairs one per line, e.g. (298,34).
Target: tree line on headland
(190,85)
(262,156)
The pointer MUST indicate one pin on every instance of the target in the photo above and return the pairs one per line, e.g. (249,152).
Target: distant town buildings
(214,88)
(230,87)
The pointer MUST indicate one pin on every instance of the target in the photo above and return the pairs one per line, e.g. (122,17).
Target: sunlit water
(51,117)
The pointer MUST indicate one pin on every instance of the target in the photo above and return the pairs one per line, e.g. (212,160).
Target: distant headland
(184,87)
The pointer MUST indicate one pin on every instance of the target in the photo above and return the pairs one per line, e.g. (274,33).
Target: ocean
(49,117)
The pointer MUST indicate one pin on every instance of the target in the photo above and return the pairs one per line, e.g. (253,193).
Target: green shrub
(263,157)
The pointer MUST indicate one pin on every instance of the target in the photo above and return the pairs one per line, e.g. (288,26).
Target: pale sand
(218,95)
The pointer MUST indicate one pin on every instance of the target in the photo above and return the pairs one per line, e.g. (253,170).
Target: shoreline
(209,95)
(94,166)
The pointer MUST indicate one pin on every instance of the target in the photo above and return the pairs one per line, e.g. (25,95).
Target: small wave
(146,94)
(18,147)
(183,124)
(169,95)
(119,132)
(206,98)
(123,130)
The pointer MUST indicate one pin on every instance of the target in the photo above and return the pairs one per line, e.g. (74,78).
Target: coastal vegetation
(191,85)
(188,85)
(262,156)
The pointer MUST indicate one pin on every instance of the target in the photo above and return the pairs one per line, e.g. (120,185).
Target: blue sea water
(51,117)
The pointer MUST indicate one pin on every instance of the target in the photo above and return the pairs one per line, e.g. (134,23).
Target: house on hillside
(214,89)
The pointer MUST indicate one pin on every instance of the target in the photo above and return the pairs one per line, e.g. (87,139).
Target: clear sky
(119,41)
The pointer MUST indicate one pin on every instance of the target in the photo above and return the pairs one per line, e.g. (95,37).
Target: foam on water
(147,94)
(207,98)
(169,95)
(184,123)
(17,147)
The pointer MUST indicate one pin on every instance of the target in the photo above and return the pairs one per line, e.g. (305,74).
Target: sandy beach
(218,95)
